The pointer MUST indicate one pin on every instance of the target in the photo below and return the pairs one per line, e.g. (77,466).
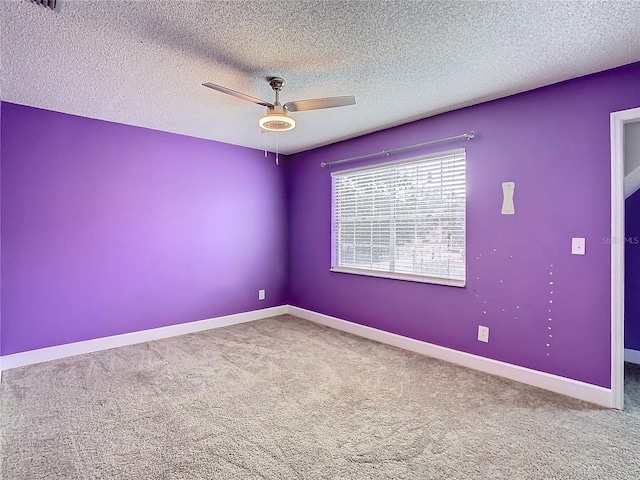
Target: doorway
(619,120)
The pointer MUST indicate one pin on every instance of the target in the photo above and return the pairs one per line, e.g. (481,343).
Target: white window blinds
(402,219)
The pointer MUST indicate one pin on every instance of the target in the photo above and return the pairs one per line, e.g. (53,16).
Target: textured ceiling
(143,62)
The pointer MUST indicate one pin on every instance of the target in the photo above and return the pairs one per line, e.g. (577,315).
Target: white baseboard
(97,344)
(565,386)
(632,356)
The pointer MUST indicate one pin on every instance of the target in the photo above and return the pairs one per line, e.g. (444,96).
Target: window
(403,219)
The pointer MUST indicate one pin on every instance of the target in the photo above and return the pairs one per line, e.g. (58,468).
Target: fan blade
(239,95)
(318,103)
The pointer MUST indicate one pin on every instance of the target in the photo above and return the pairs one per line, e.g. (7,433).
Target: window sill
(399,276)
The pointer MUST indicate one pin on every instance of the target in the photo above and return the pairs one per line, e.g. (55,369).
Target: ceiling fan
(276,119)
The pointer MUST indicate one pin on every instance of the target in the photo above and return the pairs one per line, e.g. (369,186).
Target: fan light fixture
(277,122)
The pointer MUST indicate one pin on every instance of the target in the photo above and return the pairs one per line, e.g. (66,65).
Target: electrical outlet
(261,294)
(483,334)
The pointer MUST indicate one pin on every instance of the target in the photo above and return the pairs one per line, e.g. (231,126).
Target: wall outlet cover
(483,333)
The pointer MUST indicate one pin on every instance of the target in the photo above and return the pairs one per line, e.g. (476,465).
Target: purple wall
(108,229)
(632,273)
(554,143)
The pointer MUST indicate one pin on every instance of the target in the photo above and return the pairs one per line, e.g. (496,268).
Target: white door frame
(618,121)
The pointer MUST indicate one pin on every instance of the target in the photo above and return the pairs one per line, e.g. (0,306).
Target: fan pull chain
(277,148)
(264,132)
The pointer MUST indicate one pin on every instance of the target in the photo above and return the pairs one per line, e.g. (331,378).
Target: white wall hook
(507,201)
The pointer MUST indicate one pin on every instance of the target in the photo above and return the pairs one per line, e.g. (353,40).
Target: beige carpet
(283,398)
(632,388)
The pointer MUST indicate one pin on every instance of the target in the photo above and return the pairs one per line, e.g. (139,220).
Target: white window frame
(458,229)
